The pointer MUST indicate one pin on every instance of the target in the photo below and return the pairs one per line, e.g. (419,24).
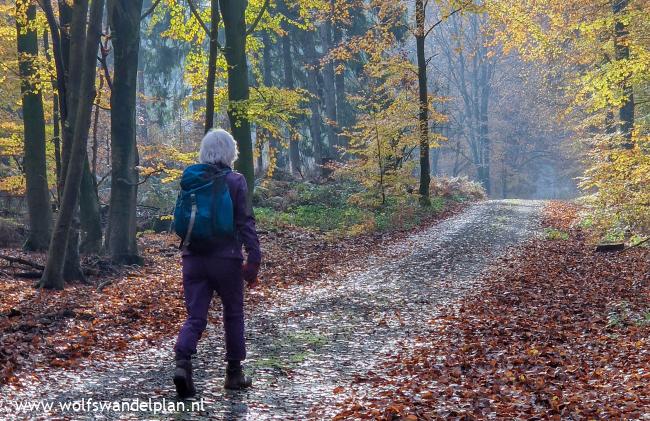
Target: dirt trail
(316,337)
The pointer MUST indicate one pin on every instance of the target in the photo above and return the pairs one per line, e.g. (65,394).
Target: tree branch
(444,18)
(21,261)
(46,6)
(258,18)
(151,9)
(197,16)
(107,73)
(102,59)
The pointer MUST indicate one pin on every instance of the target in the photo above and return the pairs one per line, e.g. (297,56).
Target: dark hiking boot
(183,379)
(236,380)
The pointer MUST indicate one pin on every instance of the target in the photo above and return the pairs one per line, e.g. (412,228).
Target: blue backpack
(204,210)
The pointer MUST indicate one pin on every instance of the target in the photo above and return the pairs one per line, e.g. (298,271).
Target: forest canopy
(103,105)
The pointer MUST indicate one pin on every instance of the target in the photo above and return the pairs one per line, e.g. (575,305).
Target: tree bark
(72,21)
(53,273)
(89,212)
(275,147)
(622,52)
(124,19)
(312,66)
(343,115)
(233,15)
(212,64)
(484,138)
(38,195)
(423,116)
(329,93)
(58,51)
(289,83)
(56,113)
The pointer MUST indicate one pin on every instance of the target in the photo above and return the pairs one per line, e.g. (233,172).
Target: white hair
(218,147)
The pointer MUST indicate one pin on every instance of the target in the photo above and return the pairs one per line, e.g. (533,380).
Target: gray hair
(218,147)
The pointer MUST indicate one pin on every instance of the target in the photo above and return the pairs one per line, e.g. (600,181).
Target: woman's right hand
(249,273)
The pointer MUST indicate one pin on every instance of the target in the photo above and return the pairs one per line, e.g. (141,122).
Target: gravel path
(315,338)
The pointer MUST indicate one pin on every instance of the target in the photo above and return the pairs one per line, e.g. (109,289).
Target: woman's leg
(230,287)
(198,294)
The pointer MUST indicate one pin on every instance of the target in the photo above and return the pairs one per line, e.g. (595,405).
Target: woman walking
(215,264)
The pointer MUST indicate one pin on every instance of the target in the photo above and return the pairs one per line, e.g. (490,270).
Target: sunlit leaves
(576,42)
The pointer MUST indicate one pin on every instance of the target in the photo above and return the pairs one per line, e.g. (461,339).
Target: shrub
(11,233)
(457,188)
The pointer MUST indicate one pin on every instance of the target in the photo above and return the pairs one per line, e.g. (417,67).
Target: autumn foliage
(558,331)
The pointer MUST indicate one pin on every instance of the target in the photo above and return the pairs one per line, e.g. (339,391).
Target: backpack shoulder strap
(190,226)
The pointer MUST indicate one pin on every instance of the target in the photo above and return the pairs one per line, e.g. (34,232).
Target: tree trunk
(53,273)
(343,116)
(73,41)
(294,151)
(275,147)
(435,158)
(212,64)
(56,116)
(329,93)
(89,212)
(622,52)
(289,83)
(423,116)
(124,20)
(142,116)
(233,15)
(56,106)
(484,138)
(312,66)
(59,51)
(72,37)
(38,195)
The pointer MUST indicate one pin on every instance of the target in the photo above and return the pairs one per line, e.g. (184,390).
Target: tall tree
(213,33)
(124,20)
(289,82)
(276,150)
(622,52)
(38,195)
(72,19)
(56,115)
(329,89)
(312,66)
(233,14)
(420,36)
(53,273)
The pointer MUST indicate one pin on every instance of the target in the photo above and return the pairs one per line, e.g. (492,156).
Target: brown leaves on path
(141,306)
(558,331)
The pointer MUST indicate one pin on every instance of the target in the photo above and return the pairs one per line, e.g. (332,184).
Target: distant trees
(470,66)
(596,59)
(321,89)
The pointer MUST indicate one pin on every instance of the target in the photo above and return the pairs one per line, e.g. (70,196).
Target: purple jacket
(244,225)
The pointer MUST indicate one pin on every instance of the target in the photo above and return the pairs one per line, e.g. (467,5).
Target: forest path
(314,337)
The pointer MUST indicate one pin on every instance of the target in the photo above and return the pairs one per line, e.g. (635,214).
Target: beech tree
(124,20)
(38,195)
(53,273)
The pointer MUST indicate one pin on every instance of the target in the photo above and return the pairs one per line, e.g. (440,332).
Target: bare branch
(197,16)
(444,18)
(150,10)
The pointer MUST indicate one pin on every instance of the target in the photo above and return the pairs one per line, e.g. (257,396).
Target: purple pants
(202,276)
